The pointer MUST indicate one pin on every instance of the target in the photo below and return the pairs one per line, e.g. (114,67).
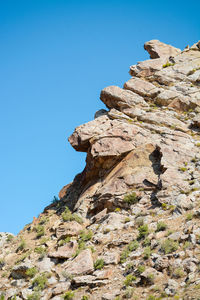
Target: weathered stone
(82,264)
(19,271)
(171,287)
(60,288)
(68,229)
(111,257)
(158,49)
(115,97)
(141,87)
(65,251)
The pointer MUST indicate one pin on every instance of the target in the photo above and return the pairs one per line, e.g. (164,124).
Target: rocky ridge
(127,227)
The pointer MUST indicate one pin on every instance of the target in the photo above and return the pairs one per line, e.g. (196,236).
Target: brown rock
(65,251)
(158,49)
(82,264)
(68,229)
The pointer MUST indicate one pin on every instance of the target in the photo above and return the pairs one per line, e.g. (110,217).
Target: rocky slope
(128,225)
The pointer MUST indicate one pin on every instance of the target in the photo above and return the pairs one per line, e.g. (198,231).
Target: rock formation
(128,225)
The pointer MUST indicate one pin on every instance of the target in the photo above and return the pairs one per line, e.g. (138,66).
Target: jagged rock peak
(157,49)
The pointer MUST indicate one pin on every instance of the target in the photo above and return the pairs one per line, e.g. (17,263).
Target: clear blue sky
(55,57)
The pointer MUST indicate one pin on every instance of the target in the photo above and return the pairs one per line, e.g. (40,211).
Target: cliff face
(128,225)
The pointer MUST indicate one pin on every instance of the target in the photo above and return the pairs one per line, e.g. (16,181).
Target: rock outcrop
(128,225)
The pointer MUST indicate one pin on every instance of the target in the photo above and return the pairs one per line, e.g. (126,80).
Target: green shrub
(34,296)
(129,279)
(151,297)
(39,231)
(141,269)
(178,273)
(40,250)
(189,216)
(168,64)
(147,252)
(143,231)
(68,216)
(40,282)
(99,264)
(133,246)
(2,297)
(10,237)
(161,226)
(183,169)
(31,272)
(64,241)
(131,198)
(22,245)
(146,242)
(84,298)
(169,246)
(128,292)
(86,236)
(68,295)
(124,255)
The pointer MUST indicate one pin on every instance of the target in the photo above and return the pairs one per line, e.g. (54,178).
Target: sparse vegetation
(34,296)
(10,237)
(169,246)
(69,295)
(40,282)
(129,279)
(131,198)
(147,252)
(99,264)
(31,272)
(68,216)
(168,64)
(143,231)
(39,230)
(161,226)
(40,250)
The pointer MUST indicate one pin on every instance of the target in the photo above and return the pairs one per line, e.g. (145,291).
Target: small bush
(22,245)
(147,252)
(161,226)
(133,246)
(143,231)
(168,64)
(99,264)
(34,296)
(31,272)
(128,293)
(189,216)
(124,255)
(40,250)
(141,269)
(84,298)
(169,246)
(68,216)
(129,279)
(178,273)
(39,231)
(40,282)
(131,198)
(10,237)
(2,297)
(146,242)
(86,236)
(183,169)
(64,241)
(68,295)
